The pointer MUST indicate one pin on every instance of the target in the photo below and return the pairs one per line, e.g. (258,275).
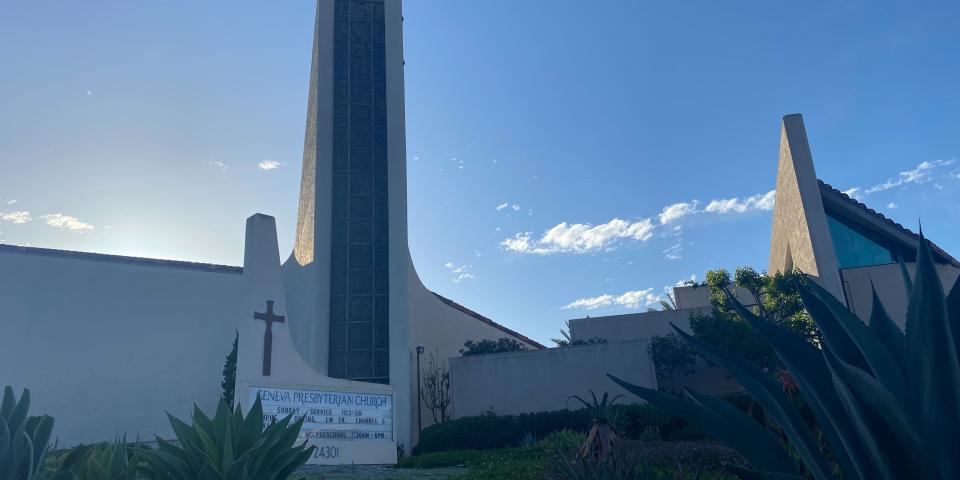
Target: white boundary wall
(107,344)
(544,380)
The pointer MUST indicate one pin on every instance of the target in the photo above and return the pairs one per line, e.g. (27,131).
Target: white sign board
(346,427)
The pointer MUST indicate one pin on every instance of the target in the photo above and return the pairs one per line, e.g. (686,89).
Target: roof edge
(488,321)
(886,222)
(109,258)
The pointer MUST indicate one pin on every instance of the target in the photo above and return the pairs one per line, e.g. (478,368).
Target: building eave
(108,258)
(488,321)
(876,221)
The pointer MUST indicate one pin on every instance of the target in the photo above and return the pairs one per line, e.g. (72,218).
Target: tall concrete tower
(346,280)
(356,308)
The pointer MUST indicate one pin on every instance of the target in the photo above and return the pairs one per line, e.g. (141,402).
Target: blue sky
(545,140)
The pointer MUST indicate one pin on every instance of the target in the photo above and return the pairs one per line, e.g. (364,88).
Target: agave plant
(602,438)
(104,461)
(23,439)
(886,402)
(228,447)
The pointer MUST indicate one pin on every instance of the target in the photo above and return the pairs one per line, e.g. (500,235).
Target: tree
(485,346)
(671,354)
(774,298)
(436,390)
(668,305)
(567,341)
(230,374)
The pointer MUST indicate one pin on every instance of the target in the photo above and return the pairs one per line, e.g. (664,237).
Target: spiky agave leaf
(888,332)
(953,310)
(932,363)
(239,448)
(842,330)
(754,443)
(24,440)
(886,428)
(769,395)
(809,370)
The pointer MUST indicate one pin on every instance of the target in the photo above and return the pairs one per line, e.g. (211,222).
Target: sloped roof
(892,229)
(103,257)
(487,320)
(214,268)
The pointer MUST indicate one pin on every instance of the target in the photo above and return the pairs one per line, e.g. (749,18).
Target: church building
(107,343)
(334,331)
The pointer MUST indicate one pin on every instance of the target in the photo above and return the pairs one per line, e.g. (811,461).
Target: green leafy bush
(229,382)
(497,431)
(103,461)
(486,346)
(229,446)
(886,402)
(503,431)
(636,460)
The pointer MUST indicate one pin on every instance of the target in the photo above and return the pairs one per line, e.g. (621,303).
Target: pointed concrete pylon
(801,239)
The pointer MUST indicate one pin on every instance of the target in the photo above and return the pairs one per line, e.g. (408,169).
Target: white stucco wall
(631,326)
(544,380)
(695,297)
(644,326)
(888,280)
(441,329)
(107,345)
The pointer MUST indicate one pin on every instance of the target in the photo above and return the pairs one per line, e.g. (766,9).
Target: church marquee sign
(342,425)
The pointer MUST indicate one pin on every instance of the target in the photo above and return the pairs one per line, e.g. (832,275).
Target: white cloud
(269,165)
(891,205)
(633,300)
(506,205)
(922,173)
(11,202)
(674,252)
(676,211)
(579,237)
(760,201)
(590,303)
(460,272)
(853,192)
(20,216)
(59,220)
(582,238)
(686,281)
(515,207)
(220,165)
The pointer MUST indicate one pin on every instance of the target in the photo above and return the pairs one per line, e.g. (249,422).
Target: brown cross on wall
(269,318)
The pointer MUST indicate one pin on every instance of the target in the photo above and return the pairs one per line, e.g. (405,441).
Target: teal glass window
(359,283)
(854,249)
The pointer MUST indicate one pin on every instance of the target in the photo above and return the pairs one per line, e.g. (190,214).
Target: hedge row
(502,431)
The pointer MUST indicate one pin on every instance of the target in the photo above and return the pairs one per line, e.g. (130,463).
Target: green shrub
(564,440)
(503,431)
(498,431)
(229,446)
(485,346)
(103,461)
(885,401)
(229,382)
